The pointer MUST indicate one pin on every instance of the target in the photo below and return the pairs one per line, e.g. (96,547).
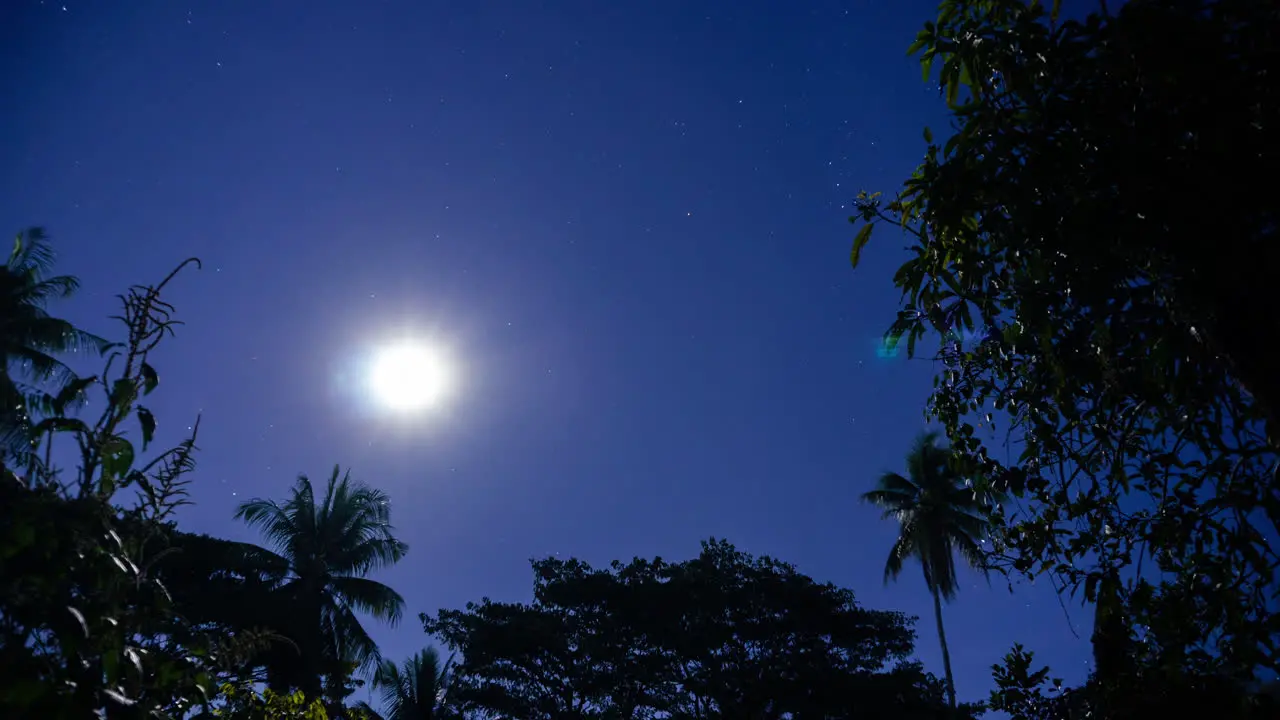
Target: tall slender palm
(938,517)
(414,690)
(30,339)
(330,547)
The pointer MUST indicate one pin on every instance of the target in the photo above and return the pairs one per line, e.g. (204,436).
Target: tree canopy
(1091,292)
(723,635)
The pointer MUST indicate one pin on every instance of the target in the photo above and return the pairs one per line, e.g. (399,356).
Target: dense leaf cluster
(1094,248)
(86,627)
(723,635)
(107,609)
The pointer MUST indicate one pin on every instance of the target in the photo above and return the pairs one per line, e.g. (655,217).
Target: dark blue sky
(626,220)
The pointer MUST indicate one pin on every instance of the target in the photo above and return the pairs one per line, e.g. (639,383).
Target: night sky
(626,222)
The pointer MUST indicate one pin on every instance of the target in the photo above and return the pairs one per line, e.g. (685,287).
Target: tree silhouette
(86,628)
(330,546)
(30,339)
(721,636)
(414,690)
(938,517)
(1082,293)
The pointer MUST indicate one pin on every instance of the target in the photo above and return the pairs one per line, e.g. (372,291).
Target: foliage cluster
(723,635)
(83,617)
(106,607)
(1084,295)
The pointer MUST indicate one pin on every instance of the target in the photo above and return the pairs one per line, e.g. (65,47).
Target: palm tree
(330,547)
(29,338)
(938,516)
(414,690)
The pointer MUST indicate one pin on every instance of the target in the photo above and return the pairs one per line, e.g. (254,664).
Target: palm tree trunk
(946,654)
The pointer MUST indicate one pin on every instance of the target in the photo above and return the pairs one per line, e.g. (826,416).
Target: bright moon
(408,377)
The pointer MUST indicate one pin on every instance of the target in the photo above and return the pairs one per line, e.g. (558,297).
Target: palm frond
(38,365)
(251,561)
(275,522)
(32,254)
(415,689)
(971,552)
(894,493)
(29,336)
(290,527)
(348,638)
(331,489)
(964,522)
(395,688)
(39,292)
(370,597)
(892,482)
(924,452)
(939,563)
(359,535)
(889,499)
(371,554)
(938,516)
(39,332)
(898,554)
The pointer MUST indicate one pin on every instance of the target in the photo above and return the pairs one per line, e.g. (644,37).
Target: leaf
(118,696)
(928,135)
(60,424)
(117,457)
(890,342)
(951,144)
(950,281)
(134,659)
(965,315)
(204,684)
(859,242)
(149,379)
(123,392)
(79,616)
(71,391)
(148,422)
